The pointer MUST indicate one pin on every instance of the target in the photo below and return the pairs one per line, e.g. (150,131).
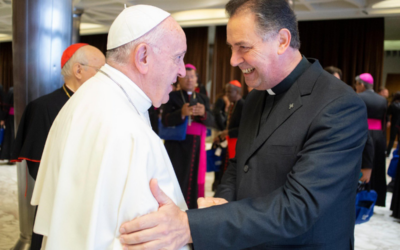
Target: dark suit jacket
(295,184)
(376,106)
(233,128)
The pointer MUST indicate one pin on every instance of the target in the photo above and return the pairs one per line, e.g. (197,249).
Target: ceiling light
(199,14)
(392,45)
(387,4)
(86,26)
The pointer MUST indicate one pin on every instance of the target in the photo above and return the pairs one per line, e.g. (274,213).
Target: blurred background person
(395,204)
(220,111)
(334,71)
(384,92)
(79,63)
(392,118)
(8,121)
(233,91)
(368,152)
(188,157)
(199,87)
(376,112)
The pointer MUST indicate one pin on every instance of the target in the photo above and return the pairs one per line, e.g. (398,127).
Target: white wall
(391,64)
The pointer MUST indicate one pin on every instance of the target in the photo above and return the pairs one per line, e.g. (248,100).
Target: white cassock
(97,164)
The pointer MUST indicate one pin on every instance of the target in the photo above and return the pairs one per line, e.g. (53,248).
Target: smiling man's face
(257,58)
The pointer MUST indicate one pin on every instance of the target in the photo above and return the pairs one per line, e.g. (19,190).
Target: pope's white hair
(121,54)
(78,57)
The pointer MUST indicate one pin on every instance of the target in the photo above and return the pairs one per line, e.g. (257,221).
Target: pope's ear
(284,37)
(141,58)
(77,69)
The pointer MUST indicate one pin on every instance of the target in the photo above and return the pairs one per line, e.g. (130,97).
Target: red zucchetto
(70,51)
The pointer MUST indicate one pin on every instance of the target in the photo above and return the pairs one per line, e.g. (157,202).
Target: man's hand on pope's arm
(168,228)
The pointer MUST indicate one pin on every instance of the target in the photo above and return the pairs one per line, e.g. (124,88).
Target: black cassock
(32,133)
(376,109)
(185,154)
(395,205)
(8,117)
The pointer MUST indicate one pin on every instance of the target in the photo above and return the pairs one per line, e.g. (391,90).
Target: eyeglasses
(95,68)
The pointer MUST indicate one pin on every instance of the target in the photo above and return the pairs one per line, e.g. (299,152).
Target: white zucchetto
(134,22)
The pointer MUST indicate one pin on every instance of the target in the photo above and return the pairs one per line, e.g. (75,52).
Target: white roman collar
(270,92)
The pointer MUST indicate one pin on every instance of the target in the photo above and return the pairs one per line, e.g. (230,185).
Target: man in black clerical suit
(188,156)
(292,184)
(233,90)
(79,62)
(368,153)
(376,109)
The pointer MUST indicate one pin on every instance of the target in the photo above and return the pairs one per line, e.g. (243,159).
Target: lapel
(281,111)
(251,128)
(284,107)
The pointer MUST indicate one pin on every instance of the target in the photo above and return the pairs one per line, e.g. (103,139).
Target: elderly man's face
(168,64)
(257,59)
(95,59)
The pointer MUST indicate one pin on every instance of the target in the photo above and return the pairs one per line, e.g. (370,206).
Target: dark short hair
(271,16)
(332,70)
(396,97)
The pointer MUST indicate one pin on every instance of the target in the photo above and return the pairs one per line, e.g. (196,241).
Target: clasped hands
(221,137)
(168,228)
(196,110)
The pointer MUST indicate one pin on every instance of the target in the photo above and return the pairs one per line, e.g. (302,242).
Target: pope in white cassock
(101,152)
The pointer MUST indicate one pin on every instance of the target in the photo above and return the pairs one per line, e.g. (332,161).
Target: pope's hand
(168,228)
(210,201)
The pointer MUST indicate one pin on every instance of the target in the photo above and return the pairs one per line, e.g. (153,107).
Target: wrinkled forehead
(173,40)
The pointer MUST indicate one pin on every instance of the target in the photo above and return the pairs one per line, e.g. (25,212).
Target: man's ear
(77,70)
(284,37)
(141,58)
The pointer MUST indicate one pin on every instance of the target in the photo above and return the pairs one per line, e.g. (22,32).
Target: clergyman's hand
(366,175)
(186,110)
(199,109)
(210,201)
(168,228)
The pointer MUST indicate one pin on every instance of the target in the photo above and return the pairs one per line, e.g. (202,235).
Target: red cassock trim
(24,158)
(19,160)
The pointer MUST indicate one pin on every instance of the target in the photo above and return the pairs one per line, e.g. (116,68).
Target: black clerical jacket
(34,127)
(172,110)
(293,185)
